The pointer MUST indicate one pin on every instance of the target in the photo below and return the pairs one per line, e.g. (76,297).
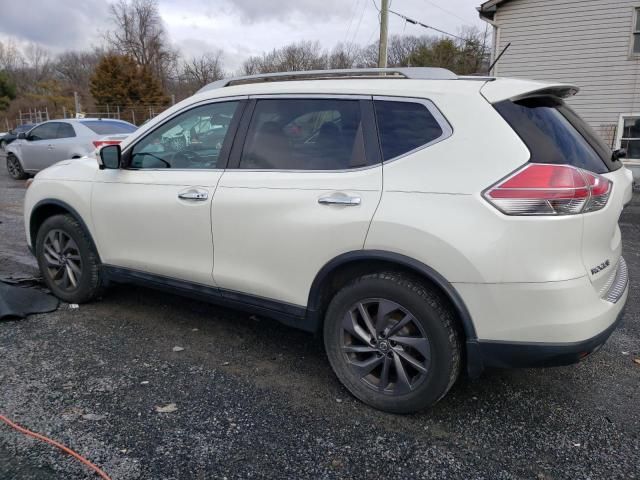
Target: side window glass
(404,126)
(44,132)
(192,139)
(65,131)
(304,134)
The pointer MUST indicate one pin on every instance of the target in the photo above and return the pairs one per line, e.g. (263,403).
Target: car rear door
(154,214)
(302,186)
(65,145)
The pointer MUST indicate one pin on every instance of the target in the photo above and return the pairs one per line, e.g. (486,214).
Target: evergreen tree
(118,80)
(7,91)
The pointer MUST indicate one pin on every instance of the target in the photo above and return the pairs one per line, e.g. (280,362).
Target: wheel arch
(49,207)
(337,272)
(367,260)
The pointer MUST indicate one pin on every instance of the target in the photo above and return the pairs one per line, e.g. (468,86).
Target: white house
(594,44)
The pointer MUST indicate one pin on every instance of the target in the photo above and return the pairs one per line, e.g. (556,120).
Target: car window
(555,134)
(304,134)
(23,128)
(404,126)
(109,127)
(46,131)
(192,139)
(65,130)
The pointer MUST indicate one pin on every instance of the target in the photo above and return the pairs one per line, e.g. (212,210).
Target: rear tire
(405,355)
(14,167)
(68,262)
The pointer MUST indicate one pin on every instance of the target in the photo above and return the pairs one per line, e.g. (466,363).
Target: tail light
(102,143)
(544,189)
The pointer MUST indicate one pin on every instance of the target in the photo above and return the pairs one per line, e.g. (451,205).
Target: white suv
(420,222)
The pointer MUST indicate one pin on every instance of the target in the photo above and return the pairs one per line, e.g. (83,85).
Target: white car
(421,222)
(55,140)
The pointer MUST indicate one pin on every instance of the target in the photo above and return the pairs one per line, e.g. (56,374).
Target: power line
(416,22)
(355,34)
(445,10)
(353,14)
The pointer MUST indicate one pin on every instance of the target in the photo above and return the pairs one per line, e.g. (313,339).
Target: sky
(240,28)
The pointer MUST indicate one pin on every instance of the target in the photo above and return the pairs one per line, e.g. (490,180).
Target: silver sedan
(57,140)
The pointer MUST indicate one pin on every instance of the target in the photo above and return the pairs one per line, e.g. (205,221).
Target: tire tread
(442,309)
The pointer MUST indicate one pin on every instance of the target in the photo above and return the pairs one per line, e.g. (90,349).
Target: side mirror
(22,136)
(109,157)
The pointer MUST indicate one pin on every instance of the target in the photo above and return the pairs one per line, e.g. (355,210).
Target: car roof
(80,121)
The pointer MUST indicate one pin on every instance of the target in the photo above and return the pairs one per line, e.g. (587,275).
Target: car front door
(300,190)
(37,147)
(154,214)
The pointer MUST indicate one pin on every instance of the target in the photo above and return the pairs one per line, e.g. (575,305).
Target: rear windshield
(556,134)
(109,127)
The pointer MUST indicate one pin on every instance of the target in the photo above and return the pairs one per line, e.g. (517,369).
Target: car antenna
(498,58)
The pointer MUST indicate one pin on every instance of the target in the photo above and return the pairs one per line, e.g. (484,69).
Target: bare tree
(139,33)
(401,48)
(75,68)
(38,62)
(10,57)
(345,55)
(302,56)
(474,49)
(369,56)
(199,71)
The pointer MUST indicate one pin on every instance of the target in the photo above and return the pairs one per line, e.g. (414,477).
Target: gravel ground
(257,400)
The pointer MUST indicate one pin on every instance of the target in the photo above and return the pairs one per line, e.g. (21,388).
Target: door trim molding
(285,313)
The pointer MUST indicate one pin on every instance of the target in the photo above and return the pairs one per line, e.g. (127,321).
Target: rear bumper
(502,354)
(544,325)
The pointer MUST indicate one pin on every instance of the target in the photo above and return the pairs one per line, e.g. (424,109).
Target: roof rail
(416,73)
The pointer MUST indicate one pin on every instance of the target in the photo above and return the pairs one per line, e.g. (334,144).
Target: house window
(636,32)
(630,136)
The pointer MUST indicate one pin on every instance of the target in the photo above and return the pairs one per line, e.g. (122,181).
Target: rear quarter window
(107,127)
(404,126)
(555,134)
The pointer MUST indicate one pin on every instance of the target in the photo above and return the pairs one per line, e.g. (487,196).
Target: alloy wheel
(385,346)
(63,260)
(13,166)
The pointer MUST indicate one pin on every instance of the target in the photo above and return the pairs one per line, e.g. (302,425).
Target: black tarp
(18,302)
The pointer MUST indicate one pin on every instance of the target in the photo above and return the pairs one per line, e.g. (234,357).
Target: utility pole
(384,23)
(76,100)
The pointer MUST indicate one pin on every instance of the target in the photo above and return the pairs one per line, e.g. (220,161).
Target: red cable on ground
(55,444)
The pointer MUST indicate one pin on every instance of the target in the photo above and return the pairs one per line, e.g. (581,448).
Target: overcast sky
(239,27)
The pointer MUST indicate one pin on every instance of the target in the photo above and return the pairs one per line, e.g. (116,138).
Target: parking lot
(255,399)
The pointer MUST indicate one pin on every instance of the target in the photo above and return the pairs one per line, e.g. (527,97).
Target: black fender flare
(403,261)
(474,362)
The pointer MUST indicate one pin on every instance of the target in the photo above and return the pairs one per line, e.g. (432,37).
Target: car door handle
(194,194)
(50,147)
(339,198)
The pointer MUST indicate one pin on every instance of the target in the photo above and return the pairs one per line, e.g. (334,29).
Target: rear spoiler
(514,89)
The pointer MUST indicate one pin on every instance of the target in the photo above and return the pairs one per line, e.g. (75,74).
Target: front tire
(67,260)
(392,342)
(14,167)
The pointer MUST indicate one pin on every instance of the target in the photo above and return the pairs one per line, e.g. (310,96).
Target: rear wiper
(618,154)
